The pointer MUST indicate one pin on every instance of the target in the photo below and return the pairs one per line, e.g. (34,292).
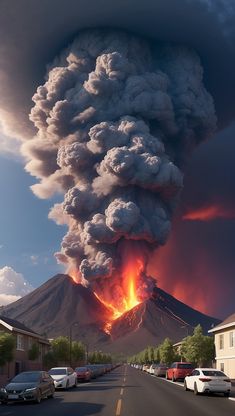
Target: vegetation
(34,352)
(7,346)
(197,349)
(60,353)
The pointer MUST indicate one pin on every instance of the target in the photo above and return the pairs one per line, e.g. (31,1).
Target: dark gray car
(29,385)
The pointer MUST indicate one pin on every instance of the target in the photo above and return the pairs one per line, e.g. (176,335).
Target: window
(20,342)
(222,367)
(232,339)
(221,341)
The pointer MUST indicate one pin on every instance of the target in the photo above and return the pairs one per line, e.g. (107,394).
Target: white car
(64,377)
(208,380)
(152,368)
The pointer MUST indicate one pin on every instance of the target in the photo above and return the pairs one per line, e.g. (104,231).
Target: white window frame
(20,342)
(221,341)
(232,339)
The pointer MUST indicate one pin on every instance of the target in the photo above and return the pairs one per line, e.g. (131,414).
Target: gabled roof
(17,326)
(227,323)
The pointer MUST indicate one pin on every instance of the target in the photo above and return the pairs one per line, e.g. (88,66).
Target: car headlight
(32,389)
(3,390)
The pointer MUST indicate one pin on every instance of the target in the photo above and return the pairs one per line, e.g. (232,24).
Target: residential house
(25,338)
(224,334)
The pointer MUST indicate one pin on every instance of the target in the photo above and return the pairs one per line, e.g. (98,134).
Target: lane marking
(119,406)
(121,392)
(124,379)
(232,398)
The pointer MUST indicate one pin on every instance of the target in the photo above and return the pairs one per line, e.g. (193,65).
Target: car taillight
(204,379)
(227,379)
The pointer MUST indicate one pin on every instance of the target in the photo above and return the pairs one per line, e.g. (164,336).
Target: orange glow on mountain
(209,213)
(75,275)
(130,277)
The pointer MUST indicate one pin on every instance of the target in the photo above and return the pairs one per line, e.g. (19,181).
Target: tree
(166,351)
(150,354)
(7,346)
(198,349)
(34,352)
(78,351)
(60,349)
(157,355)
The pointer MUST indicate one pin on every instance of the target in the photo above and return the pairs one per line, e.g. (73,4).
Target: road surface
(125,392)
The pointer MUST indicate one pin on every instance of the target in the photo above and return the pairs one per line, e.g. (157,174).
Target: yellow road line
(119,406)
(121,392)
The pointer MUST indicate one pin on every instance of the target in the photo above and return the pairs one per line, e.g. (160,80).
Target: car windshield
(57,371)
(213,373)
(185,365)
(80,369)
(26,378)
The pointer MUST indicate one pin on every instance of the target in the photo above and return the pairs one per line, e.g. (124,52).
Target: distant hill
(59,303)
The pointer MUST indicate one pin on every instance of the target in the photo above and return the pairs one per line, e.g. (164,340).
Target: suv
(179,370)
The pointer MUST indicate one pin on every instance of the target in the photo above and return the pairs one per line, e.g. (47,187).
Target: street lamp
(70,341)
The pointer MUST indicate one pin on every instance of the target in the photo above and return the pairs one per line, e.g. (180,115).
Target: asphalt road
(125,392)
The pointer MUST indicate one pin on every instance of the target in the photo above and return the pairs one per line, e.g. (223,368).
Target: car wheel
(67,385)
(226,394)
(75,383)
(195,390)
(185,386)
(38,397)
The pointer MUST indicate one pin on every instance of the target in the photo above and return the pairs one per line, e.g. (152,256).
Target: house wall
(21,361)
(225,351)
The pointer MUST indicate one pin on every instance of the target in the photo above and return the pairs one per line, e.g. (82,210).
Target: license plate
(13,396)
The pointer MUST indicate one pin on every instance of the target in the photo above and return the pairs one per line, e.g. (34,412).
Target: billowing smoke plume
(116,119)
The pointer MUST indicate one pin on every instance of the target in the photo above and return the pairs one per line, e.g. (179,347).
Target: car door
(71,376)
(191,379)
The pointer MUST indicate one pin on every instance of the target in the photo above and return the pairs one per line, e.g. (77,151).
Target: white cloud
(34,259)
(12,285)
(9,146)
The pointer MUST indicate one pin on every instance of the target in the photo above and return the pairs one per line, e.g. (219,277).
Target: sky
(197,263)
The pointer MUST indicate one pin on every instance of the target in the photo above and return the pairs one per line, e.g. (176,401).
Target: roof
(17,326)
(228,322)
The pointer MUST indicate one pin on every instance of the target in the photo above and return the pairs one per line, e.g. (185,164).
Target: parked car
(26,386)
(179,370)
(151,368)
(160,370)
(208,380)
(64,377)
(146,367)
(83,373)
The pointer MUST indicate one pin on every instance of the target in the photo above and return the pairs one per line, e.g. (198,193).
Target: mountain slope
(56,306)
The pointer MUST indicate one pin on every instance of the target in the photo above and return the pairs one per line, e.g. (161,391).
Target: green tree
(166,351)
(157,355)
(78,351)
(49,359)
(34,352)
(7,346)
(60,349)
(198,349)
(151,354)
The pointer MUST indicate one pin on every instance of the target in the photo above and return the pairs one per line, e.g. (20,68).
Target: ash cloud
(116,119)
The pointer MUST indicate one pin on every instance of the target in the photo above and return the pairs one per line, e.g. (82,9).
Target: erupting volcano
(116,119)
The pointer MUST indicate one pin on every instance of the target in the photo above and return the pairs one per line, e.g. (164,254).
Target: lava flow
(130,286)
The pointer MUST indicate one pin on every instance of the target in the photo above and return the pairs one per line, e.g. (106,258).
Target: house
(25,338)
(224,334)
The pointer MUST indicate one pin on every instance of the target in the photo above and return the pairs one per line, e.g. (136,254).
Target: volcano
(60,303)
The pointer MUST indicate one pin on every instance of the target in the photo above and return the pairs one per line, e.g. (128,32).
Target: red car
(83,374)
(179,370)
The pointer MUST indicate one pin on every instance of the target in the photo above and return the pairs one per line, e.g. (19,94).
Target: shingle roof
(229,320)
(17,324)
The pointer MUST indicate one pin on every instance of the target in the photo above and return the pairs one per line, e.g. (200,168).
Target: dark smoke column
(116,119)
